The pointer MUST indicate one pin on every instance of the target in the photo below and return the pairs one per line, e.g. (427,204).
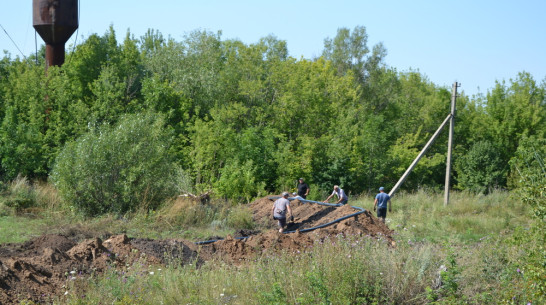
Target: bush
(481,169)
(117,168)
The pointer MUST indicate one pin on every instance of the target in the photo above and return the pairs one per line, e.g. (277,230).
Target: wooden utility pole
(450,141)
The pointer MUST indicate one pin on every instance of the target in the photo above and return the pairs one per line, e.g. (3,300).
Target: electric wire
(77,31)
(36,45)
(13,41)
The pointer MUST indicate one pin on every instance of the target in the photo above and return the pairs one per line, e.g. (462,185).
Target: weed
(275,297)
(240,217)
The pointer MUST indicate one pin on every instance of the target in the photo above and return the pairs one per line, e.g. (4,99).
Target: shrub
(117,168)
(481,169)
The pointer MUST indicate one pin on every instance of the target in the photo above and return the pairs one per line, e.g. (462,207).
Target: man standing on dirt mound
(382,200)
(303,189)
(341,196)
(280,207)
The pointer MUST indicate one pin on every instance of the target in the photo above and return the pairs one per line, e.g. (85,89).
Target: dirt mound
(274,241)
(362,224)
(309,215)
(40,269)
(37,245)
(306,215)
(238,250)
(168,251)
(230,249)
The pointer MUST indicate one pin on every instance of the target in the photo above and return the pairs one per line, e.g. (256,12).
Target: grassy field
(467,246)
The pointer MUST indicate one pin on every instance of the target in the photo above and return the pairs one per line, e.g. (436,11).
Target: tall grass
(467,218)
(444,255)
(26,209)
(469,238)
(337,271)
(39,206)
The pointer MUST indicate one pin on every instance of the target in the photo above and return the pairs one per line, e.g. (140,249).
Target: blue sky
(472,42)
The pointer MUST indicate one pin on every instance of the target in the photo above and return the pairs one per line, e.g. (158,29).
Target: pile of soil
(40,269)
(306,215)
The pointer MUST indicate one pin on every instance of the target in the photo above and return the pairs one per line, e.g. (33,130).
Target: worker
(280,207)
(382,200)
(341,196)
(303,189)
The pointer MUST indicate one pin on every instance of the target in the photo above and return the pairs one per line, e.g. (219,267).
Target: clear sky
(474,42)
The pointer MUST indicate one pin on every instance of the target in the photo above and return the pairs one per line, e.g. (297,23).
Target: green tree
(515,111)
(118,168)
(348,50)
(239,181)
(22,127)
(86,63)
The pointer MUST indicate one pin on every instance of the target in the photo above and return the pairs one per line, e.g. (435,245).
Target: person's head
(285,194)
(382,189)
(336,187)
(301,180)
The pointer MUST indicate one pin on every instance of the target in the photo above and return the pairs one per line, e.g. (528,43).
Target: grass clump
(18,195)
(240,217)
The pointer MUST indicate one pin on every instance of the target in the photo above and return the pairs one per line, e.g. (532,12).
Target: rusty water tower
(55,21)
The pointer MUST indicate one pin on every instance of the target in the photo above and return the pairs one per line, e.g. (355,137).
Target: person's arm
(329,197)
(341,196)
(390,206)
(307,193)
(273,211)
(375,204)
(290,211)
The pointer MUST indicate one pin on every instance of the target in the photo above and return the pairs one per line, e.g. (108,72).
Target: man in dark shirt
(303,189)
(382,200)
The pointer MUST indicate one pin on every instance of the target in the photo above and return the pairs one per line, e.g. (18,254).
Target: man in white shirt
(341,196)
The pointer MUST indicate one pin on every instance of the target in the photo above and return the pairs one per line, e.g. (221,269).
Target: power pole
(450,142)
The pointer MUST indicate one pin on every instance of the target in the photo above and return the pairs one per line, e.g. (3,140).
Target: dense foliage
(115,169)
(249,119)
(529,179)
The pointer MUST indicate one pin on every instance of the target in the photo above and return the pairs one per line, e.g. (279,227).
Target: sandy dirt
(39,269)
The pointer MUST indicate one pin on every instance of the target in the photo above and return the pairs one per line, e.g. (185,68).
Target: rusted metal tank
(55,21)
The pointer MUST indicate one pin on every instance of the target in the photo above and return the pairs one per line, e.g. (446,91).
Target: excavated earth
(40,269)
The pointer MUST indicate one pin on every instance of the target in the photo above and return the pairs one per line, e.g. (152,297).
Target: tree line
(249,119)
